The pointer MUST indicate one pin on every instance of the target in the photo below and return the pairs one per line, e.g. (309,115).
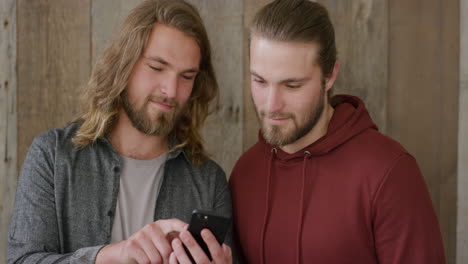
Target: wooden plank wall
(462,231)
(106,16)
(53,63)
(7,117)
(423,97)
(223,130)
(361,29)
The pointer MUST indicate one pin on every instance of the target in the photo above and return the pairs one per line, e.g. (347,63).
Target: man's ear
(331,80)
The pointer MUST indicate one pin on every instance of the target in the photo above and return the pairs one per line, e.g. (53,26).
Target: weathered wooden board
(462,230)
(223,129)
(8,130)
(53,64)
(423,97)
(106,17)
(361,29)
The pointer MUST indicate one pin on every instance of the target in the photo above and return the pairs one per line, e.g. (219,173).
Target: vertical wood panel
(423,99)
(106,17)
(462,232)
(223,129)
(53,64)
(361,29)
(8,130)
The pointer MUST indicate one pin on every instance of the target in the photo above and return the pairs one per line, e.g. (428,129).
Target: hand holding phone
(218,225)
(192,242)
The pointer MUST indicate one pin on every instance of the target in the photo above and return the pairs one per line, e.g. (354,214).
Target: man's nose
(274,100)
(169,86)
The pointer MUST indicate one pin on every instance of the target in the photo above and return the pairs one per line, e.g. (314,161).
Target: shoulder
(249,160)
(208,168)
(375,147)
(258,150)
(56,137)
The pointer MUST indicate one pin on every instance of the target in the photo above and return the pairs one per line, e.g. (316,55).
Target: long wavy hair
(102,99)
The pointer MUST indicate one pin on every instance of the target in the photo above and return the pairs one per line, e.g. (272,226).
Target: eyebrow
(289,80)
(164,62)
(256,74)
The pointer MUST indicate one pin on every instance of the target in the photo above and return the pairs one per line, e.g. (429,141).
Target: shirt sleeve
(33,235)
(406,229)
(223,206)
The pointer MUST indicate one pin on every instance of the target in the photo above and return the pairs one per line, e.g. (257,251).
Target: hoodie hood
(349,119)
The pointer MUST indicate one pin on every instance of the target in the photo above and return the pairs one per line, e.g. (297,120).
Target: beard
(280,135)
(152,122)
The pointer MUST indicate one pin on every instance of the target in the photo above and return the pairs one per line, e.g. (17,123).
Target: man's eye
(259,81)
(155,68)
(188,77)
(293,86)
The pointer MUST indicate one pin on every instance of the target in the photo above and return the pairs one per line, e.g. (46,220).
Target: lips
(276,120)
(163,105)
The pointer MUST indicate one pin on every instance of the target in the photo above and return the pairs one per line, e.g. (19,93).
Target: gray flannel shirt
(66,198)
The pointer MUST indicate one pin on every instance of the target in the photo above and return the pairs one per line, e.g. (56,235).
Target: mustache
(164,100)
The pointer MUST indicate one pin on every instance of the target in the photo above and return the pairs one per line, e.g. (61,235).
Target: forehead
(272,57)
(173,45)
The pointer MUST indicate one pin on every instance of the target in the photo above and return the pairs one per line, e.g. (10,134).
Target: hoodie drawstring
(267,211)
(307,154)
(301,208)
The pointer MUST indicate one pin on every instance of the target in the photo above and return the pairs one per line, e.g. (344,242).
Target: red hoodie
(353,196)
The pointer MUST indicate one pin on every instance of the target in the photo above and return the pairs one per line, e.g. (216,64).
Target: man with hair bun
(322,185)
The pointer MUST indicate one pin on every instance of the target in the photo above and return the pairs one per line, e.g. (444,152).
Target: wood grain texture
(106,17)
(53,64)
(361,29)
(423,99)
(8,129)
(223,129)
(462,225)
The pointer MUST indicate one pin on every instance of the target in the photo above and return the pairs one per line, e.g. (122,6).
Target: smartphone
(218,225)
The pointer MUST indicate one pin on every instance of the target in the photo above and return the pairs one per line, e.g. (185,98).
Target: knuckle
(138,236)
(154,227)
(132,244)
(148,227)
(166,252)
(218,254)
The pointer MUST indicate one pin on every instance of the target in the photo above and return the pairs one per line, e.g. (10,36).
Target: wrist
(109,254)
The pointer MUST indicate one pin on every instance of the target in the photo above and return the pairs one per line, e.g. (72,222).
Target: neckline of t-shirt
(160,159)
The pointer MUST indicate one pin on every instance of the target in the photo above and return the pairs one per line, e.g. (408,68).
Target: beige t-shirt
(139,189)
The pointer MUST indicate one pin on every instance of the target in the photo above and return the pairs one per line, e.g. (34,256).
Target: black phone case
(200,220)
